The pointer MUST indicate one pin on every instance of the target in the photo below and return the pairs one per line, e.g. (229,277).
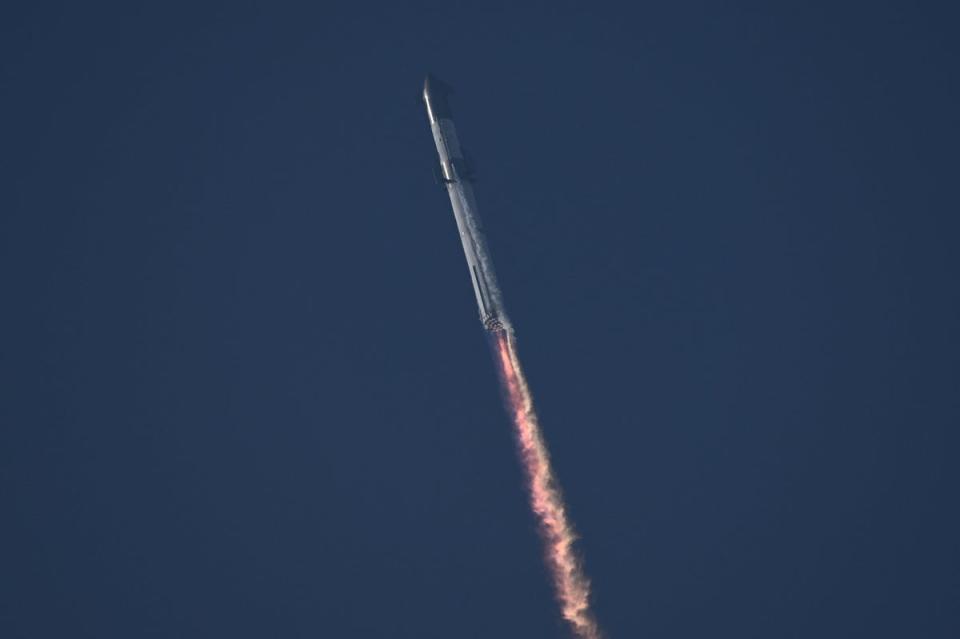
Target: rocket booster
(457,176)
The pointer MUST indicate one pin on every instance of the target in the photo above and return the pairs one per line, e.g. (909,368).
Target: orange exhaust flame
(570,583)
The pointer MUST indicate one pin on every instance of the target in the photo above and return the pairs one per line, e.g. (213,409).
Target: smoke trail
(570,583)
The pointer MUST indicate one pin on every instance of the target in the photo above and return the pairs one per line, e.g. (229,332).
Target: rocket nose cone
(435,94)
(434,85)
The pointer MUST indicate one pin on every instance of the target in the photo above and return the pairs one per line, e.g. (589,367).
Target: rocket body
(456,176)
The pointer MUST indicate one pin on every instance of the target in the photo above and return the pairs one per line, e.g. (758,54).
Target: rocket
(457,177)
(571,584)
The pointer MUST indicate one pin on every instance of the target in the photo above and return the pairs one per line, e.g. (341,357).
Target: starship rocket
(456,175)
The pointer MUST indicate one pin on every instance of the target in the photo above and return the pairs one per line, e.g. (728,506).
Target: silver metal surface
(456,178)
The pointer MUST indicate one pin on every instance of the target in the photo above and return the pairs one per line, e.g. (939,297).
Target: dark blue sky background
(245,392)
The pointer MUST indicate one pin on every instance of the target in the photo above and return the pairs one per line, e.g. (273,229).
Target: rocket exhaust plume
(570,583)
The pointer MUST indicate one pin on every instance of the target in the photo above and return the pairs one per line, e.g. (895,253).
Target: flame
(570,583)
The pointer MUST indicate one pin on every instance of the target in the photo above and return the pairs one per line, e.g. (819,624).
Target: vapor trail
(570,583)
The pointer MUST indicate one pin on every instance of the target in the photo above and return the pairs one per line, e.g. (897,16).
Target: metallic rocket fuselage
(456,176)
